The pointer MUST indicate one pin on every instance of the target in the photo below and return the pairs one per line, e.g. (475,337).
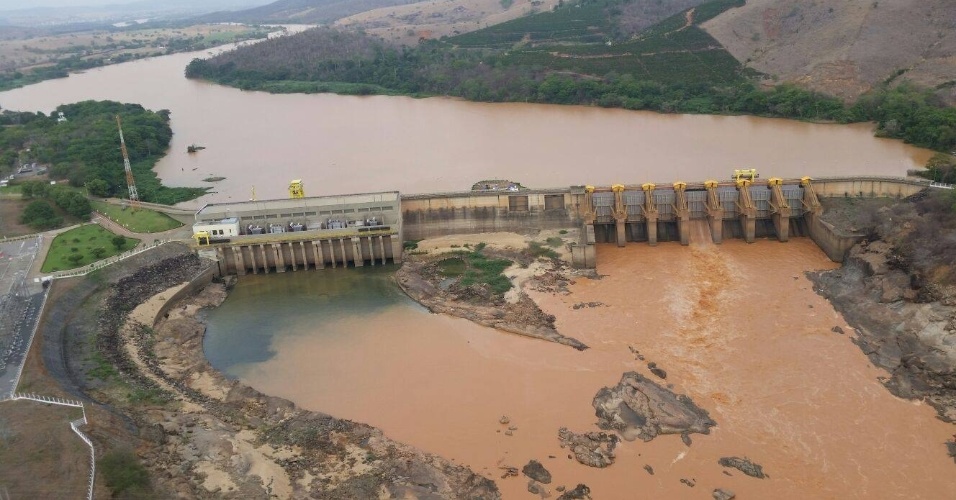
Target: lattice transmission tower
(130,183)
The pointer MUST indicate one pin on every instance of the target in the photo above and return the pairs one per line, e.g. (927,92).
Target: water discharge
(341,144)
(737,327)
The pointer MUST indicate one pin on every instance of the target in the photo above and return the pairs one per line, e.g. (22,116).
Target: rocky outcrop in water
(722,494)
(580,492)
(594,449)
(637,407)
(421,279)
(743,465)
(536,471)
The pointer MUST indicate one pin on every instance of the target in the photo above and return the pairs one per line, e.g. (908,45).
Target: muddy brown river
(340,144)
(737,327)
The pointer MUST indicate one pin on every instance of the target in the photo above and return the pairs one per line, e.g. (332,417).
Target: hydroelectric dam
(299,233)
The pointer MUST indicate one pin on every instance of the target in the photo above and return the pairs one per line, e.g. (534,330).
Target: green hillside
(584,38)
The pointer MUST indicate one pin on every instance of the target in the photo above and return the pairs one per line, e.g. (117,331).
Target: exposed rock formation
(743,465)
(903,324)
(422,280)
(536,471)
(639,408)
(594,449)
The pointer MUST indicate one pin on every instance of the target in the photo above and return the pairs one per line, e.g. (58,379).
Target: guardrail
(18,238)
(51,400)
(74,425)
(941,185)
(83,271)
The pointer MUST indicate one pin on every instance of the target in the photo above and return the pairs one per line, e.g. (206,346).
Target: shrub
(536,249)
(123,473)
(555,241)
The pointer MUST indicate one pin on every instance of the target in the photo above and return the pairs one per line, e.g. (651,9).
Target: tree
(118,242)
(75,258)
(34,189)
(98,252)
(40,215)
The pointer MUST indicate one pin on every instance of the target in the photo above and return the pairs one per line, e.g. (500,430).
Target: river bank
(197,432)
(896,290)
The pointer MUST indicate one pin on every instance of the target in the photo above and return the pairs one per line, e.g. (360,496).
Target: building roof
(298,203)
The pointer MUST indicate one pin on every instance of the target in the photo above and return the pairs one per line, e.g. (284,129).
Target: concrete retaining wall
(834,243)
(868,187)
(201,280)
(426,216)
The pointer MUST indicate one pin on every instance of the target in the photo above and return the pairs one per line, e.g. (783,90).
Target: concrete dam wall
(617,214)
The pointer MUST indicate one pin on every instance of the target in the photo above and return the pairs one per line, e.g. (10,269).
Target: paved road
(20,300)
(16,257)
(16,327)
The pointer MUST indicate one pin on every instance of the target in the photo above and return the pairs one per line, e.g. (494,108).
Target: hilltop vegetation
(85,148)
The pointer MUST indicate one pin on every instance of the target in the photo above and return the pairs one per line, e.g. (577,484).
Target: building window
(554,202)
(518,203)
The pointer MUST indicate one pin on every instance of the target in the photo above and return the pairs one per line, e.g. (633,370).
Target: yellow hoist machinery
(748,174)
(202,237)
(296,190)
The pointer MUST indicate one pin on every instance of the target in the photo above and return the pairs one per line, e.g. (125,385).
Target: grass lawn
(137,221)
(83,241)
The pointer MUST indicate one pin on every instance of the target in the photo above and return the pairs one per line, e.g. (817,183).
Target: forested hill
(300,11)
(580,53)
(85,148)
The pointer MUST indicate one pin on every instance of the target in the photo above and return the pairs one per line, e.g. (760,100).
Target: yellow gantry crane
(296,189)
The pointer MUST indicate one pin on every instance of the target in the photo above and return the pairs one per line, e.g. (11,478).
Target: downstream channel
(737,327)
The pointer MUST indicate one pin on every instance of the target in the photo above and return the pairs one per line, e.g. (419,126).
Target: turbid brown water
(737,327)
(340,144)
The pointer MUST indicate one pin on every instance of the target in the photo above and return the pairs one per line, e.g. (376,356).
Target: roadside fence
(941,185)
(74,425)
